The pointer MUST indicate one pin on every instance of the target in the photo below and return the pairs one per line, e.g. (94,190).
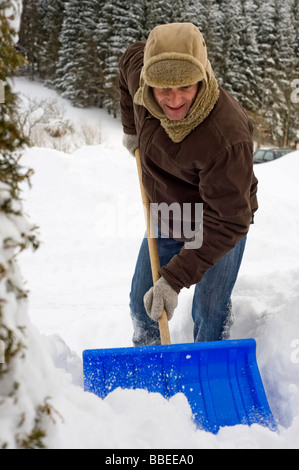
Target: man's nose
(175,98)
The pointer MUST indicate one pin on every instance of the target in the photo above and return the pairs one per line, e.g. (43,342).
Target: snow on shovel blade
(220,380)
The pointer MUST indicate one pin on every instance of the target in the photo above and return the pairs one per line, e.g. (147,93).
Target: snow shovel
(220,379)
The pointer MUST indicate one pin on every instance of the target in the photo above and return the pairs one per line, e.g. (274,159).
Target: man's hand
(130,141)
(160,296)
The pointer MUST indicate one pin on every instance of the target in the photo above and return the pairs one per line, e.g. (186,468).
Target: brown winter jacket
(212,165)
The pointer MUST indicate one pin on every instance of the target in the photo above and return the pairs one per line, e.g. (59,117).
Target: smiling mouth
(175,109)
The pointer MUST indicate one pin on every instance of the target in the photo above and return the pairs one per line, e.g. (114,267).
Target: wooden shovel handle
(153,250)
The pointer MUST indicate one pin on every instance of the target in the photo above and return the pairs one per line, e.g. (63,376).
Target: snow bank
(267,294)
(87,205)
(80,279)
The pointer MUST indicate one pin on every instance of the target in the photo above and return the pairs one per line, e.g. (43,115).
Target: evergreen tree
(294,10)
(250,64)
(287,65)
(252,46)
(121,27)
(91,63)
(265,39)
(51,14)
(26,429)
(276,45)
(207,16)
(71,53)
(195,12)
(159,13)
(230,70)
(28,36)
(294,117)
(142,11)
(178,10)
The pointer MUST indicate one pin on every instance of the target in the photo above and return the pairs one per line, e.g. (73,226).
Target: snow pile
(88,207)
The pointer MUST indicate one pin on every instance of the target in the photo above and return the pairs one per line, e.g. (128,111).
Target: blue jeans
(211,305)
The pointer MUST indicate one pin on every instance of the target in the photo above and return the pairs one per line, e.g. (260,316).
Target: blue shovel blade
(220,379)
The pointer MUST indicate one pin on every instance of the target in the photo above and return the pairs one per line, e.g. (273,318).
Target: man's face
(176,102)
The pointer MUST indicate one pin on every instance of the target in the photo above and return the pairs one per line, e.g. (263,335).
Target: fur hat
(175,55)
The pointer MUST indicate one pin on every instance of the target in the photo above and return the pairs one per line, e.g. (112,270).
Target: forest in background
(74,46)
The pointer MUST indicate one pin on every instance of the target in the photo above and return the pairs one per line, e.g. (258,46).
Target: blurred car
(263,155)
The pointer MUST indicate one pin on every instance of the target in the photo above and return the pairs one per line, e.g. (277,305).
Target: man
(195,144)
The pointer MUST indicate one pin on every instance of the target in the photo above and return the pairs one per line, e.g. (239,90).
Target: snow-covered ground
(88,208)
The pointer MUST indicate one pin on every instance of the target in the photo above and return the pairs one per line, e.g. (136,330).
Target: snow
(88,209)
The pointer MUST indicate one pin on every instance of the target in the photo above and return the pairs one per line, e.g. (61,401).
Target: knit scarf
(201,108)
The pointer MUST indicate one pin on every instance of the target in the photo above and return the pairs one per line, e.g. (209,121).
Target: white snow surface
(88,209)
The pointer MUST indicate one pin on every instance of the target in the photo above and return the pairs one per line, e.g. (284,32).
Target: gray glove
(130,141)
(160,296)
